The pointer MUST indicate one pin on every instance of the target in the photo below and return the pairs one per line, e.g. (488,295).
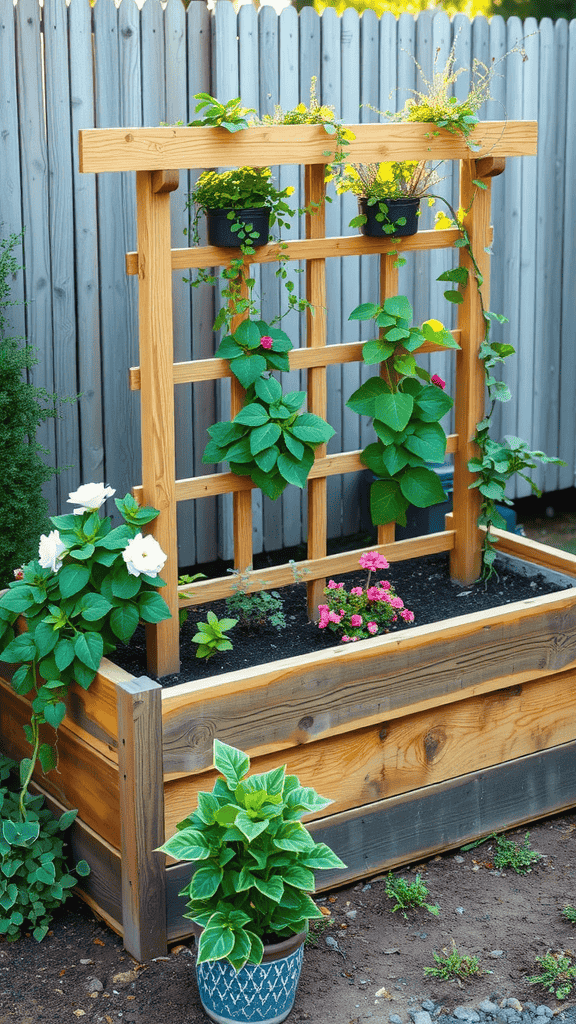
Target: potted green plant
(249,898)
(240,206)
(388,194)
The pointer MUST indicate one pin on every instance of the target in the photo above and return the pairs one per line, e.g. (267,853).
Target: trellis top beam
(151,149)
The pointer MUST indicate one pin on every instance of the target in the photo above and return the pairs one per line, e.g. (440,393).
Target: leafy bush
(23,408)
(34,877)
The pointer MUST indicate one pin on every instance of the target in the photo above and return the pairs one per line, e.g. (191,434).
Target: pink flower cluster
(266,341)
(363,611)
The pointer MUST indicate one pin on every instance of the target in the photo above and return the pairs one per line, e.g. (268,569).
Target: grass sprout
(409,894)
(558,974)
(454,965)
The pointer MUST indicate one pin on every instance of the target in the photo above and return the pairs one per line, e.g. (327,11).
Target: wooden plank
(303,358)
(142,818)
(362,766)
(405,829)
(90,464)
(150,149)
(283,575)
(466,558)
(321,694)
(567,474)
(305,248)
(102,888)
(84,778)
(157,407)
(11,192)
(532,551)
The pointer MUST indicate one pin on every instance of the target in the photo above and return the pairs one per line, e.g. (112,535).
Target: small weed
(517,856)
(558,974)
(186,578)
(454,965)
(409,894)
(570,914)
(263,608)
(316,931)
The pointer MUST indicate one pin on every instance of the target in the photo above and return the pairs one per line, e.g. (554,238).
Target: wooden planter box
(424,740)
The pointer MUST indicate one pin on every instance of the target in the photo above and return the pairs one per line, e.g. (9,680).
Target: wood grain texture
(150,149)
(141,817)
(392,757)
(404,829)
(333,691)
(157,406)
(83,778)
(305,248)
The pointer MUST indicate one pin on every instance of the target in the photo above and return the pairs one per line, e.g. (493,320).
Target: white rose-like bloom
(89,497)
(49,551)
(144,555)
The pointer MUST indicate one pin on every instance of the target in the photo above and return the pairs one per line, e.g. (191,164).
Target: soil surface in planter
(424,585)
(361,964)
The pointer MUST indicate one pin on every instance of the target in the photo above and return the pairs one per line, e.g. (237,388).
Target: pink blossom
(19,573)
(323,608)
(266,341)
(355,620)
(397,602)
(323,623)
(438,381)
(345,639)
(373,560)
(334,586)
(357,591)
(407,615)
(372,627)
(375,594)
(333,617)
(354,638)
(385,584)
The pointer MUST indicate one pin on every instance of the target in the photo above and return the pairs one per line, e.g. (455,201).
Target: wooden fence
(66,67)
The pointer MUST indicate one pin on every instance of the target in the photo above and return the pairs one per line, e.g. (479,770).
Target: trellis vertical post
(388,288)
(157,397)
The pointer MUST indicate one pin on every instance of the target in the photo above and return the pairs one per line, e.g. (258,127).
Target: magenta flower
(373,560)
(385,584)
(334,586)
(438,381)
(333,617)
(323,608)
(357,591)
(355,621)
(407,615)
(266,341)
(375,594)
(345,639)
(397,602)
(372,627)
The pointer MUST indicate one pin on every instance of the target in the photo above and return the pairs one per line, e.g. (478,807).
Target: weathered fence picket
(67,66)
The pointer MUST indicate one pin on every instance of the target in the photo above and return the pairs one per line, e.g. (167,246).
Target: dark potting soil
(424,585)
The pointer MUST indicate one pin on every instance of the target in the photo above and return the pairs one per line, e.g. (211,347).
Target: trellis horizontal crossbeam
(314,569)
(299,358)
(306,249)
(228,483)
(151,149)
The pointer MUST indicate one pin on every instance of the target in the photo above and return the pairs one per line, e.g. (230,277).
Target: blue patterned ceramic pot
(257,993)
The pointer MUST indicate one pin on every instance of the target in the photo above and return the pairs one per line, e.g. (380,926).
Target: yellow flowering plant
(379,184)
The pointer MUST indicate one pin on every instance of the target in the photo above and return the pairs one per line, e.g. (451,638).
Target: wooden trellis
(151,152)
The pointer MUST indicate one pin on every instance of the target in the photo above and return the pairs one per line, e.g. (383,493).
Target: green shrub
(34,877)
(23,407)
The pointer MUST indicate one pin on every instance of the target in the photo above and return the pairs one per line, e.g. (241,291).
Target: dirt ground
(361,965)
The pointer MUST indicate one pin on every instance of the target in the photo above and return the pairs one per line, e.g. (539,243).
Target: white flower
(89,497)
(49,551)
(144,555)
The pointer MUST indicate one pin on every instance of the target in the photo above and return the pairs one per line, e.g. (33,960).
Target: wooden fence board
(568,373)
(11,192)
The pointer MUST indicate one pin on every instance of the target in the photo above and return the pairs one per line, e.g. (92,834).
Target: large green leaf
(322,858)
(367,311)
(428,441)
(187,844)
(248,369)
(123,621)
(432,404)
(293,470)
(89,648)
(232,763)
(73,578)
(228,348)
(152,607)
(215,944)
(422,487)
(22,648)
(268,389)
(394,409)
(253,415)
(205,881)
(394,458)
(398,306)
(266,460)
(363,400)
(264,437)
(248,333)
(387,503)
(312,429)
(272,887)
(376,351)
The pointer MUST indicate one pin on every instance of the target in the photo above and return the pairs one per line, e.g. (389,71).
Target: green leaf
(248,333)
(376,351)
(66,819)
(93,607)
(250,828)
(123,621)
(398,306)
(215,944)
(205,881)
(152,607)
(55,713)
(422,487)
(363,400)
(45,638)
(457,274)
(123,584)
(428,441)
(22,648)
(300,877)
(228,348)
(18,600)
(233,764)
(452,296)
(273,887)
(432,404)
(394,458)
(367,311)
(264,437)
(266,460)
(387,503)
(394,409)
(248,369)
(294,446)
(187,844)
(293,470)
(72,578)
(89,648)
(312,429)
(322,858)
(253,415)
(268,389)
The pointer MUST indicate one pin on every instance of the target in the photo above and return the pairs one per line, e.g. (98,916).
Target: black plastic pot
(219,226)
(406,208)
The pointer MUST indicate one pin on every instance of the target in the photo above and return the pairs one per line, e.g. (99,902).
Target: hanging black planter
(404,209)
(254,232)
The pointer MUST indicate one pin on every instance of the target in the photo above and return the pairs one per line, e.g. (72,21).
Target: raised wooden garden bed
(423,739)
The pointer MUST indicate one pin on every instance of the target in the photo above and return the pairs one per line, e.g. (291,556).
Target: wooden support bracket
(490,166)
(165,181)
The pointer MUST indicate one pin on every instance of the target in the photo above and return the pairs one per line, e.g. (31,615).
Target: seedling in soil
(211,636)
(454,965)
(317,930)
(570,914)
(508,854)
(558,974)
(409,894)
